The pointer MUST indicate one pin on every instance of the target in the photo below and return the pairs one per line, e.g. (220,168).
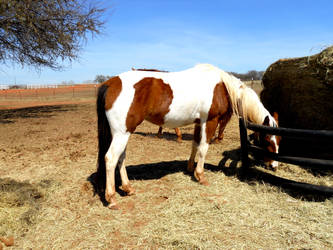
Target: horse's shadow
(167,136)
(10,115)
(251,176)
(151,171)
(254,175)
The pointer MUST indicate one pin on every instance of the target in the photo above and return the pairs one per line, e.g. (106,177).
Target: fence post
(243,137)
(244,143)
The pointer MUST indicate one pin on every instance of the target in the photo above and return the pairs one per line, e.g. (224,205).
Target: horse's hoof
(179,140)
(204,182)
(128,189)
(274,169)
(213,141)
(216,140)
(113,206)
(201,179)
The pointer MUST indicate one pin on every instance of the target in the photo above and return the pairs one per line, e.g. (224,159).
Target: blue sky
(177,34)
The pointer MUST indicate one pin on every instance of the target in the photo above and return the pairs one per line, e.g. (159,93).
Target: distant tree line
(250,75)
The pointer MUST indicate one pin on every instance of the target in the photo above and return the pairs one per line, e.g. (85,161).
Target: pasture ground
(48,158)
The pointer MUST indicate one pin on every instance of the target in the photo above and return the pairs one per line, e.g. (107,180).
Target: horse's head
(269,142)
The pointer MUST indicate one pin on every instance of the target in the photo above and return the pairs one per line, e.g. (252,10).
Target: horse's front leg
(221,130)
(222,124)
(207,132)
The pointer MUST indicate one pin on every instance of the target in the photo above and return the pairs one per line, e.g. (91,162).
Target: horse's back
(170,99)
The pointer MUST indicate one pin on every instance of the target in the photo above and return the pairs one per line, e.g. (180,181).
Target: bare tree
(101,78)
(46,33)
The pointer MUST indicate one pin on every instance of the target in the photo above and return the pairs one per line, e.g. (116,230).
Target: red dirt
(23,98)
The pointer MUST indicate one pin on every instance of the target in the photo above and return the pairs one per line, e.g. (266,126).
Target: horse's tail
(104,135)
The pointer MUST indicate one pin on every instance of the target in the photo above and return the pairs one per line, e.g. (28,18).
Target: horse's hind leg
(179,134)
(199,145)
(202,151)
(195,144)
(116,149)
(125,184)
(159,133)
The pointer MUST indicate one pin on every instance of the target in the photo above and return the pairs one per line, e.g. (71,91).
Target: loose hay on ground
(170,209)
(20,203)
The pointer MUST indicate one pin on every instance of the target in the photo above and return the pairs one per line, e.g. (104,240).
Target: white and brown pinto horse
(203,95)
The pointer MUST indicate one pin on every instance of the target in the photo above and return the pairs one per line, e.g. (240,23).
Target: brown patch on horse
(220,110)
(114,88)
(151,102)
(197,133)
(211,126)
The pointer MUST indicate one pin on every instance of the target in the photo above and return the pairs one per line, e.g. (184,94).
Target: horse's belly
(181,117)
(178,123)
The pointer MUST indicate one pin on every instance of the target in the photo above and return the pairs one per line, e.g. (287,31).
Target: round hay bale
(301,91)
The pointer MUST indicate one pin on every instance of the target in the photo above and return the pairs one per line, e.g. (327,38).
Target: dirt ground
(48,157)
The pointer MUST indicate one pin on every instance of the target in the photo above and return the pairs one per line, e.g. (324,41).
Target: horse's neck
(253,110)
(258,116)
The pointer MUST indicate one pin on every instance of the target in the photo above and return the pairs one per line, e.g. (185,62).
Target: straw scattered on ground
(48,158)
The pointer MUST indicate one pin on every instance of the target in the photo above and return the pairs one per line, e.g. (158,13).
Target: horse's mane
(252,108)
(153,70)
(232,84)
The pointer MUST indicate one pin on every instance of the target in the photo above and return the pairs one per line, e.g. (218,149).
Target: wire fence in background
(49,92)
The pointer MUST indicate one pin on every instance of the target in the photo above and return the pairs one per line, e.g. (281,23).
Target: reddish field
(19,98)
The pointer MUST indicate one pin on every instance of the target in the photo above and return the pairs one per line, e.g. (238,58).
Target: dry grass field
(18,98)
(48,158)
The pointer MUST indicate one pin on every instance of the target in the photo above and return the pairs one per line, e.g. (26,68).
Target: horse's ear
(266,121)
(276,117)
